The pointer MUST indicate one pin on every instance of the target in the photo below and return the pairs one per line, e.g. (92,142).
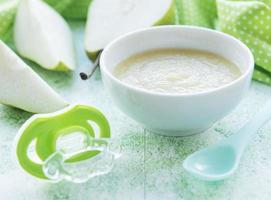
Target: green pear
(21,87)
(109,19)
(43,36)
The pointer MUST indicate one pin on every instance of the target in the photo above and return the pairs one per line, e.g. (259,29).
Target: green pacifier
(71,144)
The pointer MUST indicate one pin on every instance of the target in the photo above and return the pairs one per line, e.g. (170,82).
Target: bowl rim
(105,70)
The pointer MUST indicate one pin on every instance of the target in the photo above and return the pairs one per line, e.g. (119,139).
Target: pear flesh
(21,87)
(43,36)
(109,19)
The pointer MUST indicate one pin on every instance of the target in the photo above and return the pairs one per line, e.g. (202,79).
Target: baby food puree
(176,71)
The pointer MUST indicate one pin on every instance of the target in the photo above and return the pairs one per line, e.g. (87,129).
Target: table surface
(151,165)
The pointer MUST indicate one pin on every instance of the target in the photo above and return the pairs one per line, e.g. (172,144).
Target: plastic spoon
(219,161)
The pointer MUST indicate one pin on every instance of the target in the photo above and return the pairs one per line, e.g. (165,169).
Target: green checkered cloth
(247,20)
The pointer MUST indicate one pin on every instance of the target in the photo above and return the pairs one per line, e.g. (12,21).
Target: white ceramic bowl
(176,114)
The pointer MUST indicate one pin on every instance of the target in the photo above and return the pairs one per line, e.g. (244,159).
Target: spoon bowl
(213,163)
(221,160)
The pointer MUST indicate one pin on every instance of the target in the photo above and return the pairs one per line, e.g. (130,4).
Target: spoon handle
(241,139)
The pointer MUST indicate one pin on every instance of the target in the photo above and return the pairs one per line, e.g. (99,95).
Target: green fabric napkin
(197,12)
(59,5)
(7,14)
(250,21)
(77,9)
(247,20)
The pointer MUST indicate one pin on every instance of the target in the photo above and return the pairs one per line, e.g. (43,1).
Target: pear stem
(87,75)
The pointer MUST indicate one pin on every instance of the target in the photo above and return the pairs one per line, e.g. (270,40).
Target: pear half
(21,87)
(43,36)
(109,19)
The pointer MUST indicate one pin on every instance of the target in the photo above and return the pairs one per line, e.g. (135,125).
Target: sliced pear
(109,19)
(21,87)
(43,36)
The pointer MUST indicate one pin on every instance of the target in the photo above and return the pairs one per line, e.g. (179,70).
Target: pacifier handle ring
(21,151)
(85,113)
(46,143)
(28,133)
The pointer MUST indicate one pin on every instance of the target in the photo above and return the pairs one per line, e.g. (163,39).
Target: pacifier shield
(44,131)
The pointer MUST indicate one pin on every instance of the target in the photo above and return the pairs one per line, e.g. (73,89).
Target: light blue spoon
(219,161)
